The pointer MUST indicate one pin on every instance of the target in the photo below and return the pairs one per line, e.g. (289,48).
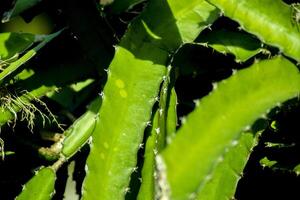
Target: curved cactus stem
(40,186)
(81,130)
(217,120)
(147,189)
(18,63)
(163,109)
(75,136)
(163,128)
(172,119)
(132,88)
(167,117)
(221,183)
(127,101)
(242,45)
(263,19)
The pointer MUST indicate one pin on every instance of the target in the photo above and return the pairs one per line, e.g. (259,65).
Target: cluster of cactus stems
(205,157)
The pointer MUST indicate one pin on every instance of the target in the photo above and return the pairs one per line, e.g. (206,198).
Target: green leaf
(19,7)
(221,116)
(40,186)
(12,44)
(26,57)
(134,77)
(242,45)
(263,18)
